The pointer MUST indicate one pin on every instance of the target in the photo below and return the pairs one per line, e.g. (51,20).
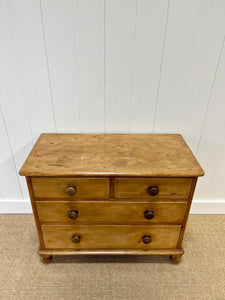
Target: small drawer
(108,211)
(79,237)
(70,188)
(152,188)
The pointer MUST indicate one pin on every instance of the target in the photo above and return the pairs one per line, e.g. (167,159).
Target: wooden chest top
(146,155)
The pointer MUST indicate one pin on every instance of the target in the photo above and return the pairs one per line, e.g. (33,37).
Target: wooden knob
(149,214)
(146,239)
(153,190)
(76,238)
(71,190)
(73,214)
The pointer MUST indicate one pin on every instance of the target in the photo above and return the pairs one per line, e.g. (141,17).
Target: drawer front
(110,236)
(70,188)
(152,188)
(108,211)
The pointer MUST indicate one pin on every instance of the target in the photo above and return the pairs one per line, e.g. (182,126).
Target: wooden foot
(175,258)
(46,259)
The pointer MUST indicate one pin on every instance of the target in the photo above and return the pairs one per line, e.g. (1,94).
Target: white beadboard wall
(112,66)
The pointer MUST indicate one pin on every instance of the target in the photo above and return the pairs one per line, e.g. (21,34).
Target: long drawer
(152,188)
(110,236)
(70,188)
(108,211)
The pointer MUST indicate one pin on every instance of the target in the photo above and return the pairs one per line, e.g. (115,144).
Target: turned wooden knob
(146,239)
(149,214)
(73,214)
(76,238)
(153,190)
(71,190)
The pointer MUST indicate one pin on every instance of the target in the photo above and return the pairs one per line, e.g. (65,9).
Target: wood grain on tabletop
(164,155)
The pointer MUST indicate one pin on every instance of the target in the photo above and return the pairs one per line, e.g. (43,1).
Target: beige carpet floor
(200,275)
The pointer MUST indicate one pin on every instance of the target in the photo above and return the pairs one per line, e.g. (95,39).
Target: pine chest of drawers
(111,193)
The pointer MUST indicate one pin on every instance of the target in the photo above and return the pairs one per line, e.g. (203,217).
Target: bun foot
(175,258)
(46,259)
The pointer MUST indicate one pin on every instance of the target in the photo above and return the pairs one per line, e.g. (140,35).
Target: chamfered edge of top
(24,171)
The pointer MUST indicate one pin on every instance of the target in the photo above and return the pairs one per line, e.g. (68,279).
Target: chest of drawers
(111,193)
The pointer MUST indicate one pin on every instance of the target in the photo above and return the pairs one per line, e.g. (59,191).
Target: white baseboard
(208,207)
(198,207)
(15,207)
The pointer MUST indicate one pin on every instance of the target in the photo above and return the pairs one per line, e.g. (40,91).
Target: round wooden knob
(149,214)
(71,190)
(153,190)
(73,214)
(76,238)
(146,239)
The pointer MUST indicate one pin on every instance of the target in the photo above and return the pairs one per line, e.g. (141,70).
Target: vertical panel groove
(10,146)
(164,41)
(210,96)
(186,80)
(19,70)
(47,63)
(119,45)
(104,76)
(210,33)
(76,61)
(89,19)
(216,164)
(132,62)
